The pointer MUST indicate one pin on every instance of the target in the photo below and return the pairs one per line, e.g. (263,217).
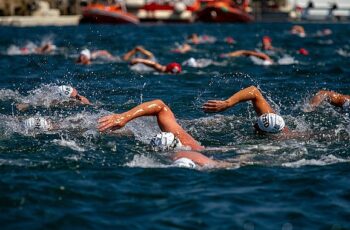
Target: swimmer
(171,68)
(172,136)
(195,39)
(86,56)
(267,60)
(268,121)
(45,49)
(267,43)
(298,30)
(63,92)
(230,40)
(184,48)
(336,99)
(138,49)
(324,32)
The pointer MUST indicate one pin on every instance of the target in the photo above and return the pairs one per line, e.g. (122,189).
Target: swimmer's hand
(114,121)
(22,106)
(215,106)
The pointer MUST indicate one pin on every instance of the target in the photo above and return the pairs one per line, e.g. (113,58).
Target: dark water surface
(72,179)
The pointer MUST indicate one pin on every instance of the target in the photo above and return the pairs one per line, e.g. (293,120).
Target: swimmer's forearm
(151,108)
(149,54)
(152,64)
(246,94)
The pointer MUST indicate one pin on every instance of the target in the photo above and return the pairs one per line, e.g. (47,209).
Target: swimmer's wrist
(227,103)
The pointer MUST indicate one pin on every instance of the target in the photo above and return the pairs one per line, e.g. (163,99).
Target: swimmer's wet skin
(171,68)
(334,98)
(249,53)
(173,135)
(268,121)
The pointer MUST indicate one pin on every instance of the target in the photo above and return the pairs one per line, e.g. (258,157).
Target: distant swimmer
(62,93)
(250,53)
(138,49)
(31,48)
(196,39)
(86,56)
(172,137)
(197,63)
(298,30)
(230,40)
(268,121)
(46,48)
(267,43)
(336,99)
(171,68)
(184,48)
(324,32)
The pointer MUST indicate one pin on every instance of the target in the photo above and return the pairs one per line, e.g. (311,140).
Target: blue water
(62,179)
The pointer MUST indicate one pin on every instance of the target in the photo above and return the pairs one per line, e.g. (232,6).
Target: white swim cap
(184,163)
(192,62)
(270,122)
(86,53)
(165,141)
(36,123)
(65,90)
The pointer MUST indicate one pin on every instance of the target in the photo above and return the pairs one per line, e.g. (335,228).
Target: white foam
(69,143)
(142,161)
(259,61)
(287,60)
(324,160)
(343,53)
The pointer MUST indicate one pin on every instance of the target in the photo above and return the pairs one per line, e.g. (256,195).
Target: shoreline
(28,21)
(73,20)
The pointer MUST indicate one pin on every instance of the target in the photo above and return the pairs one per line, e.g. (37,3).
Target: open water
(76,178)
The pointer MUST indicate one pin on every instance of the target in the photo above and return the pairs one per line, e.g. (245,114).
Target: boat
(164,10)
(224,11)
(110,14)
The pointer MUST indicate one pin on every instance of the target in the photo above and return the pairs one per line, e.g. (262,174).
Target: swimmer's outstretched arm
(165,117)
(156,66)
(140,49)
(248,53)
(332,97)
(251,93)
(101,53)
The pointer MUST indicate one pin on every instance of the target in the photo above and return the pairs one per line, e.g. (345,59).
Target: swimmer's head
(303,51)
(173,68)
(192,62)
(184,163)
(267,39)
(37,123)
(270,123)
(66,91)
(84,57)
(86,53)
(165,141)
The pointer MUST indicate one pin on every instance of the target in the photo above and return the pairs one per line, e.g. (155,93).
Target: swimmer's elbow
(159,102)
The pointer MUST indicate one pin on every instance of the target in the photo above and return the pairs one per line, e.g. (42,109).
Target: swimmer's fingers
(105,118)
(214,106)
(106,125)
